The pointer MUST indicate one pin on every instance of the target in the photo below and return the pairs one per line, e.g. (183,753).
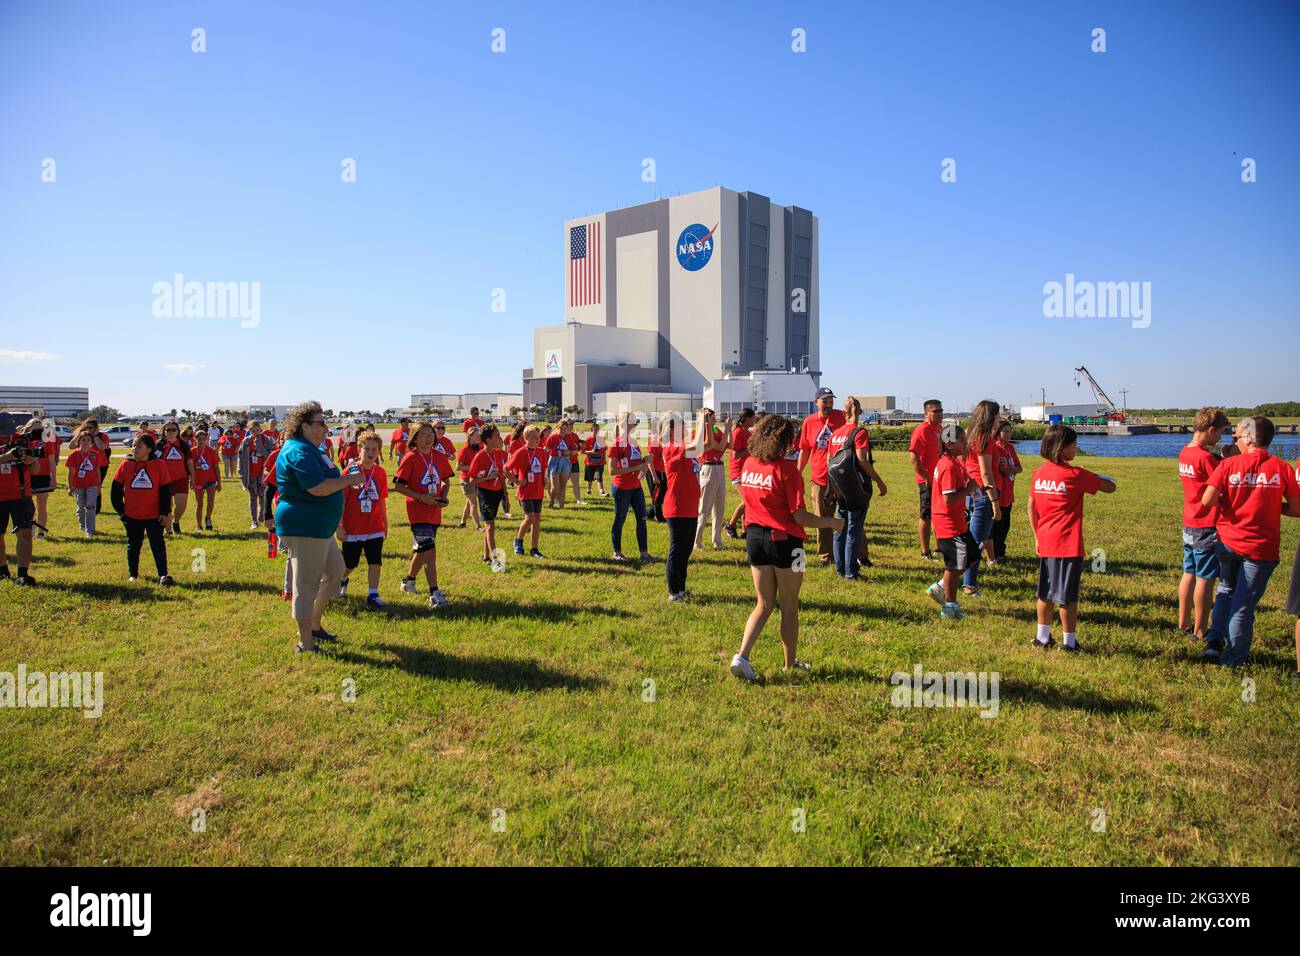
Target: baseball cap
(825,392)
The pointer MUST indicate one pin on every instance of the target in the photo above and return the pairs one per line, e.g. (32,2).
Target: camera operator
(22,456)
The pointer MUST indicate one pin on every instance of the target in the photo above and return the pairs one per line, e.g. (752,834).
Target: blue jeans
(847,544)
(981,529)
(1241,585)
(633,498)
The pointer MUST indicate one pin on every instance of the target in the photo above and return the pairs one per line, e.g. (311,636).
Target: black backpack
(845,478)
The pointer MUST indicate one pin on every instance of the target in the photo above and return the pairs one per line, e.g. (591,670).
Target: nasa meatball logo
(695,247)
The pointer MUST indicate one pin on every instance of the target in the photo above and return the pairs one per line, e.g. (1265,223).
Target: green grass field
(524,702)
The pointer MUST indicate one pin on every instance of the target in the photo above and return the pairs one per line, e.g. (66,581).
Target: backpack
(845,478)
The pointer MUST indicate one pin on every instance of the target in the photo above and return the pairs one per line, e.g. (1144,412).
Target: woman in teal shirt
(310,508)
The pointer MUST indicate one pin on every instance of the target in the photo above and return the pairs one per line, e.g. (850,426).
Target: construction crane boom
(1098,392)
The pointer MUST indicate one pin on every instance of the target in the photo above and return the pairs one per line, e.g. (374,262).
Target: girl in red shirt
(487,476)
(739,451)
(772,487)
(1056,516)
(207,480)
(83,479)
(473,445)
(1006,466)
(442,443)
(594,470)
(228,445)
(175,454)
(423,479)
(681,506)
(626,465)
(527,468)
(365,518)
(142,497)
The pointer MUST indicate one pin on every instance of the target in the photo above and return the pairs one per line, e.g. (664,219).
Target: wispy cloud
(180,367)
(12,355)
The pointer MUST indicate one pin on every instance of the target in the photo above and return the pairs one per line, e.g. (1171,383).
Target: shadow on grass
(1011,689)
(501,673)
(475,608)
(145,592)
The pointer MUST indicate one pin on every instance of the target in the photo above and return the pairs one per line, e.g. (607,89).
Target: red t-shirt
(239,438)
(841,435)
(141,483)
(972,461)
(174,454)
(469,423)
(924,443)
(682,497)
(516,444)
(489,465)
(1251,488)
(465,458)
(713,455)
(739,445)
(446,446)
(268,470)
(595,454)
(229,445)
(426,475)
(365,508)
(528,465)
(52,455)
(948,511)
(400,438)
(815,439)
(1196,464)
(349,454)
(273,432)
(624,456)
(656,455)
(15,482)
(562,445)
(205,467)
(1005,455)
(83,468)
(772,492)
(1057,492)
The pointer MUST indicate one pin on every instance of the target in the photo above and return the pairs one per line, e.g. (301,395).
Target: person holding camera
(141,495)
(22,456)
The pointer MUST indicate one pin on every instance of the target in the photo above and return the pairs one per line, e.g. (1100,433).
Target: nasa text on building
(54,401)
(666,298)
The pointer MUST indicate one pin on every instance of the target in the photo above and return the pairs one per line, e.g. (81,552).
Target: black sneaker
(208,524)
(25,581)
(927,555)
(166,580)
(731,531)
(4,572)
(1044,647)
(1076,649)
(321,634)
(534,553)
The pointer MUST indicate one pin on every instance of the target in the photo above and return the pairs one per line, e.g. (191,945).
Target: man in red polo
(814,443)
(923,451)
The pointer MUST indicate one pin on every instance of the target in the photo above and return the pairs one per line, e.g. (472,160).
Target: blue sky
(225,166)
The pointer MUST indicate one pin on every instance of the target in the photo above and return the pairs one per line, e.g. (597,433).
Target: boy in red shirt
(814,443)
(949,485)
(923,451)
(365,519)
(400,439)
(1252,491)
(422,479)
(527,466)
(682,496)
(1196,463)
(487,476)
(1056,516)
(83,479)
(142,497)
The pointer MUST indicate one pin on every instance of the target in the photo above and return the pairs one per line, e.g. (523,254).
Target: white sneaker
(343,590)
(253,527)
(408,585)
(743,669)
(798,666)
(437,598)
(935,591)
(581,501)
(679,596)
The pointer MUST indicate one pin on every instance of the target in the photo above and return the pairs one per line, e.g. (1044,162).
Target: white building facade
(665,298)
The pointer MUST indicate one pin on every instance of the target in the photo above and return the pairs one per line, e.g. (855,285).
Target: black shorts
(768,548)
(41,484)
(1058,579)
(489,502)
(424,537)
(925,501)
(959,553)
(372,547)
(532,506)
(593,473)
(20,511)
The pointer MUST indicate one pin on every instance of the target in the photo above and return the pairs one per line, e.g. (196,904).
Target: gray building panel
(589,379)
(798,275)
(755,225)
(630,222)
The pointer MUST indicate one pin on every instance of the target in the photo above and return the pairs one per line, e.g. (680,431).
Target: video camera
(21,447)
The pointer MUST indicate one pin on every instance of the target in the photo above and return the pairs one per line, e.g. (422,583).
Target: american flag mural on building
(584,264)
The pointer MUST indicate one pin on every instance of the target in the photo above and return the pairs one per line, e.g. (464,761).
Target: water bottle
(272,545)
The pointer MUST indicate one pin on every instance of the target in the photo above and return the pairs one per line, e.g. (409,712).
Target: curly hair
(297,418)
(772,437)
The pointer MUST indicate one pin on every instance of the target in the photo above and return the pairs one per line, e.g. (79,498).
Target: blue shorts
(1058,579)
(559,466)
(1200,556)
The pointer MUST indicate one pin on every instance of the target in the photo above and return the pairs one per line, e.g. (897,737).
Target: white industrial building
(1042,413)
(665,299)
(55,401)
(458,405)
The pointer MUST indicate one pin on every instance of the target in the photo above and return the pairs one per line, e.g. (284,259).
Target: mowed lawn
(524,702)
